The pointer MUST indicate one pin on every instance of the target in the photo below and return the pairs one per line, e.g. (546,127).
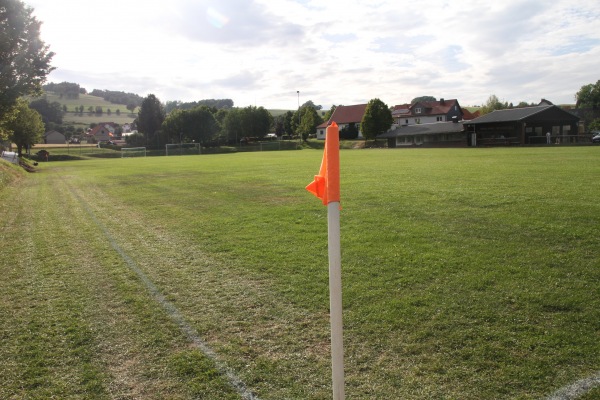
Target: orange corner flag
(326,185)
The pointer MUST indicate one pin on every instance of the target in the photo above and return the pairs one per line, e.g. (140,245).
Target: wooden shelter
(520,126)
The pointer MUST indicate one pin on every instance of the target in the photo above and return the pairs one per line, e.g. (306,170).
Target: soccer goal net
(133,152)
(178,149)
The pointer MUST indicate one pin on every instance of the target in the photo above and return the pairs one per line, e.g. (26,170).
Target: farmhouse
(101,132)
(425,112)
(54,137)
(346,117)
(527,125)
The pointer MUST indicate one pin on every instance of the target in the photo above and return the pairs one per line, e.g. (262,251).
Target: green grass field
(467,274)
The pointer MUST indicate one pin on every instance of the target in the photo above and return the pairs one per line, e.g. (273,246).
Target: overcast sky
(261,52)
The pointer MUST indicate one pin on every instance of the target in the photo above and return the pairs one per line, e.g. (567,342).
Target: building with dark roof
(528,125)
(437,134)
(54,137)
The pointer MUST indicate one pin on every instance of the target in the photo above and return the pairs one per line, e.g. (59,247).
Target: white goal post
(133,152)
(177,149)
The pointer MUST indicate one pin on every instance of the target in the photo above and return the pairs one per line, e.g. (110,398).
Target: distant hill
(73,117)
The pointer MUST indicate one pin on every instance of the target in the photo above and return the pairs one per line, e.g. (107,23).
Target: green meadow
(85,119)
(467,274)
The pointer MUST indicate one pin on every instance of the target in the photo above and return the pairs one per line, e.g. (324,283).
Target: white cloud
(336,52)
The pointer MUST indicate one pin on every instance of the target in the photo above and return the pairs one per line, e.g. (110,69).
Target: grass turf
(467,273)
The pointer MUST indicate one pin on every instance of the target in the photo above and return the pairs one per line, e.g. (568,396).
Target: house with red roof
(425,112)
(468,115)
(101,133)
(344,117)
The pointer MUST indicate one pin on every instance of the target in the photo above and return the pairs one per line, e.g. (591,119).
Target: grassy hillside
(86,100)
(85,119)
(9,173)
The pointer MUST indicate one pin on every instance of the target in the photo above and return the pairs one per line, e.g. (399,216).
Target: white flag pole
(326,186)
(332,146)
(335,300)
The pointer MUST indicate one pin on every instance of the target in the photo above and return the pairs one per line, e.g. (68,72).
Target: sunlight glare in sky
(215,18)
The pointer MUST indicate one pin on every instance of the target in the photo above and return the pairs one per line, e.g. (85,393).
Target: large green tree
(377,119)
(589,96)
(309,120)
(422,98)
(231,127)
(26,127)
(246,122)
(492,104)
(329,113)
(256,122)
(198,125)
(288,123)
(50,111)
(204,125)
(24,57)
(150,118)
(173,126)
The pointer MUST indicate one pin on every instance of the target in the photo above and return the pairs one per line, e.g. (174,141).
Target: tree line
(211,126)
(131,100)
(65,89)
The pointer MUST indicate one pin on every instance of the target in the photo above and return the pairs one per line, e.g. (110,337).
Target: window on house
(439,119)
(418,110)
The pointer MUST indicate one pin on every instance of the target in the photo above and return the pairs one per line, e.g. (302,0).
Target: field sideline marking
(171,310)
(576,389)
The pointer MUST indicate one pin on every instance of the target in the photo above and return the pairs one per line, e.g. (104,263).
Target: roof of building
(520,114)
(423,129)
(441,107)
(52,133)
(400,109)
(468,115)
(100,130)
(348,114)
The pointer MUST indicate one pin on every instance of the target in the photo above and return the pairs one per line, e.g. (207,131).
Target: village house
(425,112)
(101,133)
(345,117)
(54,137)
(444,123)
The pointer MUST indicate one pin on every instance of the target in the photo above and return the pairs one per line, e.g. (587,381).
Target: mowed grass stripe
(89,328)
(467,273)
(170,309)
(47,337)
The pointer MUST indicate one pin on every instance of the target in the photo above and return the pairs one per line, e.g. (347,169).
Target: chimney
(442,102)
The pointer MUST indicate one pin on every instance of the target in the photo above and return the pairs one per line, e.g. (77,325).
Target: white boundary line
(171,310)
(576,389)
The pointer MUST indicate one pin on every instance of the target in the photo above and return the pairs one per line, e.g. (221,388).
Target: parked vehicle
(596,137)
